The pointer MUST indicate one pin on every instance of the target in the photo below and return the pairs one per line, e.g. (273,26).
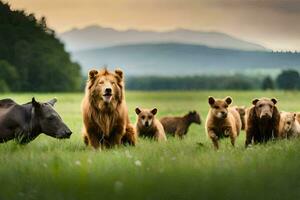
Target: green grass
(65,169)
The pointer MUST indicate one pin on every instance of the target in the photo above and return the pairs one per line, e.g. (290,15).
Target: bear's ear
(254,101)
(138,111)
(274,100)
(211,100)
(154,111)
(52,101)
(228,100)
(119,74)
(35,103)
(92,74)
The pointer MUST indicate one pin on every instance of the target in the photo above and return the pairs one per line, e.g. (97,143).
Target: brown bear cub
(178,126)
(289,125)
(222,121)
(242,111)
(148,126)
(104,109)
(262,121)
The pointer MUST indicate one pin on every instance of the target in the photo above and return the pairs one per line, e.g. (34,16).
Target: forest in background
(31,57)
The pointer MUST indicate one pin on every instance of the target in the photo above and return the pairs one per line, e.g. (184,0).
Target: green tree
(267,83)
(3,86)
(9,75)
(288,80)
(38,58)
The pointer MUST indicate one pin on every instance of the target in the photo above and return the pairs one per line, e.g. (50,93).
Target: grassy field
(65,169)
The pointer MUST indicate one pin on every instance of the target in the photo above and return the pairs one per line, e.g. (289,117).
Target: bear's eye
(143,117)
(226,106)
(150,117)
(261,105)
(216,107)
(112,83)
(101,82)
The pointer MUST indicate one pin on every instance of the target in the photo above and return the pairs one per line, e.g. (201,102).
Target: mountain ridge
(99,37)
(183,59)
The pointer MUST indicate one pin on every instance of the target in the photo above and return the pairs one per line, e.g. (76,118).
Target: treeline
(287,80)
(236,82)
(31,57)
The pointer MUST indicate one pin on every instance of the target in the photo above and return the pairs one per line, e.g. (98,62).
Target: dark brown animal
(105,115)
(222,121)
(148,126)
(262,121)
(242,112)
(179,126)
(25,122)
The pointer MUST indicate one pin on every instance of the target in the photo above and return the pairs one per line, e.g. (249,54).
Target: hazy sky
(272,23)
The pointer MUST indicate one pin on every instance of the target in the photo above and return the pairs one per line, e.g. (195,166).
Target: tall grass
(177,169)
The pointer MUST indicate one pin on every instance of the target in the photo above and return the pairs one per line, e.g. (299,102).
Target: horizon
(272,24)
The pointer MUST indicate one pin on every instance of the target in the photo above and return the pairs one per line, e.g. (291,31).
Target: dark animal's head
(105,86)
(264,107)
(194,116)
(48,120)
(219,107)
(145,116)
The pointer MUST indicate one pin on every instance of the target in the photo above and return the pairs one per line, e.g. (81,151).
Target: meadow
(48,168)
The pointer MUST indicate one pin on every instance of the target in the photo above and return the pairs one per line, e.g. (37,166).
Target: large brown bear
(105,115)
(222,121)
(262,121)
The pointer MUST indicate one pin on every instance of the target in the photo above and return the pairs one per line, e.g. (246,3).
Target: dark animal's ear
(274,100)
(52,101)
(154,111)
(35,103)
(138,111)
(254,101)
(119,74)
(92,74)
(228,100)
(211,100)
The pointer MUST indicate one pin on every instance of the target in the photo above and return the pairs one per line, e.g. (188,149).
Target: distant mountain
(184,59)
(99,37)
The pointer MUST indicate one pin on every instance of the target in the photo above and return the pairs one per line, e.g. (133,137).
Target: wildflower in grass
(138,163)
(118,186)
(161,170)
(128,155)
(77,162)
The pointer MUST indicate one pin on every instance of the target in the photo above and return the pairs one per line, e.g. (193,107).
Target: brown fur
(242,112)
(178,126)
(262,121)
(222,121)
(148,126)
(105,116)
(298,117)
(289,125)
